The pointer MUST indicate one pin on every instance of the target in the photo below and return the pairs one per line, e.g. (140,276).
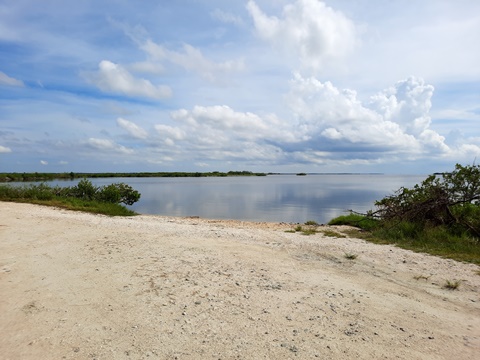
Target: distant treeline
(7,177)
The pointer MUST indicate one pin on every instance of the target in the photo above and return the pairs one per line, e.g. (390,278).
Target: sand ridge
(83,286)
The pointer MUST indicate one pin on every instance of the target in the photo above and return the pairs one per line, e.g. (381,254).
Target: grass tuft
(309,231)
(452,285)
(331,233)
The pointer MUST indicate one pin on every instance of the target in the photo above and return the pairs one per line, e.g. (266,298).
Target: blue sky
(259,85)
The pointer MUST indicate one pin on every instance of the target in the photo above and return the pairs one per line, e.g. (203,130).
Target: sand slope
(81,286)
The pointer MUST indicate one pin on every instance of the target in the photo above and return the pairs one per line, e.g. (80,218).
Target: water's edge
(273,198)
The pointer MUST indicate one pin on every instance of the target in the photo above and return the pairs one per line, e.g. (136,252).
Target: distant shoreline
(25,177)
(9,177)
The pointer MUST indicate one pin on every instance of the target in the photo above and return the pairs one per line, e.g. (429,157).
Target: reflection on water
(286,198)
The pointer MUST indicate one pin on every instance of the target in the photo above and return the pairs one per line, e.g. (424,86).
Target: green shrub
(84,190)
(40,192)
(440,216)
(118,193)
(451,199)
(109,193)
(10,192)
(84,196)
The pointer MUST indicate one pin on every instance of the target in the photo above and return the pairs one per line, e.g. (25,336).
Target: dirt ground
(82,286)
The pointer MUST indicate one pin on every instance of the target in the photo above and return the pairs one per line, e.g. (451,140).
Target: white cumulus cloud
(115,78)
(326,124)
(221,122)
(219,133)
(394,120)
(407,103)
(309,29)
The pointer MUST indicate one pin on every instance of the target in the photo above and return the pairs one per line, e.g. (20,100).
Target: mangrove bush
(83,196)
(441,215)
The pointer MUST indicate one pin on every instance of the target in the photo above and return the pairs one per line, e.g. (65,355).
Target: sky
(257,85)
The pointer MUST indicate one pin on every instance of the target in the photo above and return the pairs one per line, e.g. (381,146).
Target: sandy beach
(83,286)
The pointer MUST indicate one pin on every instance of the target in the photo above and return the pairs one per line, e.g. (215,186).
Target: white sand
(81,286)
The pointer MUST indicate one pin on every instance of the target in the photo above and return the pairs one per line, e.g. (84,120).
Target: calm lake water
(287,198)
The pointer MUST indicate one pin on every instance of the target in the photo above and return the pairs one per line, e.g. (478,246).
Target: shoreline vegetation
(107,200)
(441,216)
